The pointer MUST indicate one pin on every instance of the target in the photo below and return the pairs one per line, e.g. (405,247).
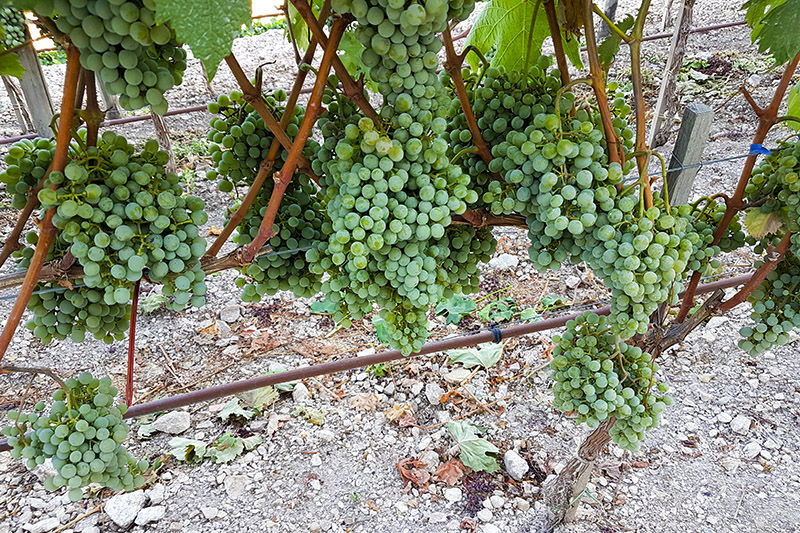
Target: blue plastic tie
(759,149)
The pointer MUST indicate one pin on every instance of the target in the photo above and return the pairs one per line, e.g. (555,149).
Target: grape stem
(529,44)
(12,243)
(649,153)
(352,89)
(767,118)
(8,369)
(453,67)
(93,115)
(599,86)
(131,345)
(635,48)
(47,230)
(290,30)
(267,165)
(313,110)
(254,98)
(555,35)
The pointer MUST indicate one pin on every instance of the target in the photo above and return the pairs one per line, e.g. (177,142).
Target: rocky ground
(725,459)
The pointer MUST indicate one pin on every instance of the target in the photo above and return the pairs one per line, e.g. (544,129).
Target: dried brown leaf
(214,231)
(413,470)
(213,329)
(450,472)
(364,401)
(264,342)
(399,411)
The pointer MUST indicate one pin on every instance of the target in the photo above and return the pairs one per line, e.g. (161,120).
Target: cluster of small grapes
(241,142)
(390,198)
(776,308)
(27,162)
(120,41)
(122,216)
(12,23)
(83,435)
(704,222)
(775,185)
(598,376)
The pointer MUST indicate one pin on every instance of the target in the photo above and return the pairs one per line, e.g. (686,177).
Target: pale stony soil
(725,459)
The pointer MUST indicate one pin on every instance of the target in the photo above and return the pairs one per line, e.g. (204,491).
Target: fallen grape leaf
(314,416)
(397,412)
(485,355)
(263,397)
(413,470)
(477,453)
(232,408)
(456,308)
(187,450)
(153,303)
(364,401)
(211,330)
(450,472)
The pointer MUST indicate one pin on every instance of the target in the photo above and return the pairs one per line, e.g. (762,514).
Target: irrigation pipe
(470,339)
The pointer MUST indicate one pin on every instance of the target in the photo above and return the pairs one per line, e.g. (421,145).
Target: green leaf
(381,329)
(477,453)
(760,224)
(528,313)
(351,56)
(499,310)
(609,48)
(226,448)
(315,416)
(232,408)
(146,431)
(572,49)
(323,307)
(187,450)
(153,303)
(485,355)
(252,441)
(774,26)
(207,26)
(794,107)
(552,300)
(10,66)
(506,26)
(282,387)
(456,308)
(263,397)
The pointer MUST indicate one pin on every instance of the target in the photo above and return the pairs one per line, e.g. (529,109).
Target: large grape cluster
(82,435)
(241,142)
(598,376)
(120,41)
(27,162)
(122,217)
(390,196)
(12,23)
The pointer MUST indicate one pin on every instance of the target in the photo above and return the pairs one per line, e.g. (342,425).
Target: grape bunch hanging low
(120,41)
(82,435)
(12,23)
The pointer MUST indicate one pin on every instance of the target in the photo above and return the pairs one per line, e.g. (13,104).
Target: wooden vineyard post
(610,11)
(688,151)
(34,87)
(18,104)
(666,104)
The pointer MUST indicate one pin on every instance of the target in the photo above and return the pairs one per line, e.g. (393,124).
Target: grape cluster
(120,41)
(776,308)
(401,44)
(598,376)
(82,434)
(27,162)
(241,142)
(12,23)
(775,185)
(122,217)
(390,195)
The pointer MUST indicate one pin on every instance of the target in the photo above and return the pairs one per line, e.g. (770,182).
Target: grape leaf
(232,408)
(774,26)
(794,107)
(759,224)
(10,66)
(485,355)
(364,401)
(187,450)
(323,307)
(477,453)
(263,397)
(381,329)
(609,48)
(450,472)
(207,26)
(153,303)
(351,56)
(456,308)
(226,448)
(506,26)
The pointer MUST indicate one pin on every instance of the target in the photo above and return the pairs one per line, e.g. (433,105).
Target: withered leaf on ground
(413,470)
(393,414)
(265,341)
(364,401)
(450,472)
(213,329)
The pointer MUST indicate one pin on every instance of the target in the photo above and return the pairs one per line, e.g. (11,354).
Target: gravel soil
(725,459)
